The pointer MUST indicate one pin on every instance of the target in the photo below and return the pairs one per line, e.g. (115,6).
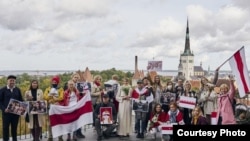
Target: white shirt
(72,99)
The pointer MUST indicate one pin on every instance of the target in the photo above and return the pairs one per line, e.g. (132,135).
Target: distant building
(198,71)
(186,68)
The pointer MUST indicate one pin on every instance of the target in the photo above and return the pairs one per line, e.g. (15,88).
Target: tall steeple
(187,58)
(187,50)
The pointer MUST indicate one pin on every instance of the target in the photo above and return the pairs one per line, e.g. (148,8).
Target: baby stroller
(242,114)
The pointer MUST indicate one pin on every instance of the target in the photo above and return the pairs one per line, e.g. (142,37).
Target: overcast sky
(105,34)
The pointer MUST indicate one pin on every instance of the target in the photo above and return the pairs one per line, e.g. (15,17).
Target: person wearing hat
(105,103)
(140,93)
(6,93)
(53,95)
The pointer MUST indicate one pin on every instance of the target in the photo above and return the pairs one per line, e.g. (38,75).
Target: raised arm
(216,76)
(231,92)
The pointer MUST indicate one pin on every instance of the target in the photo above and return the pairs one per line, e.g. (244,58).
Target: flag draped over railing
(66,119)
(240,71)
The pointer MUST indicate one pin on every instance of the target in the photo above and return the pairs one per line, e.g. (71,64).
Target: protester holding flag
(53,95)
(11,91)
(174,116)
(36,121)
(188,92)
(71,97)
(67,119)
(80,83)
(225,114)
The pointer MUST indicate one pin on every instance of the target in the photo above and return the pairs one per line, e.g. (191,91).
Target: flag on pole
(239,69)
(66,119)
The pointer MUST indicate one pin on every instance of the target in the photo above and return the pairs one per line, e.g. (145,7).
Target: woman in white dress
(125,111)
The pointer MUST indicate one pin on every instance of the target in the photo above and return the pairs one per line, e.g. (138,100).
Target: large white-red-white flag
(66,119)
(239,69)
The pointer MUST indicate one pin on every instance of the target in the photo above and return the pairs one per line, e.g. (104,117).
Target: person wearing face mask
(53,95)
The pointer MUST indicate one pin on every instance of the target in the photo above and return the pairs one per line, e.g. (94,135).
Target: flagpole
(230,57)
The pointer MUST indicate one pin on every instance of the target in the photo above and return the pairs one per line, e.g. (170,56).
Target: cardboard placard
(106,116)
(140,105)
(167,128)
(37,107)
(187,102)
(167,98)
(17,107)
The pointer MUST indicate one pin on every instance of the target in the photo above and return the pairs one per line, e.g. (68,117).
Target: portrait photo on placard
(140,105)
(106,115)
(37,107)
(17,107)
(167,98)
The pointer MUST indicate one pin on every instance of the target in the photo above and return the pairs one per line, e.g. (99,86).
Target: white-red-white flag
(187,102)
(239,69)
(167,128)
(66,119)
(213,118)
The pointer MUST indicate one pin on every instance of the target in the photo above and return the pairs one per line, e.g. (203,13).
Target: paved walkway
(91,136)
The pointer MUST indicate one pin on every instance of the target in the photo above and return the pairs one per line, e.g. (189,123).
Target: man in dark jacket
(6,93)
(111,127)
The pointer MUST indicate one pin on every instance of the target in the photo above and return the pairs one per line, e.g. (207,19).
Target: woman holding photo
(35,121)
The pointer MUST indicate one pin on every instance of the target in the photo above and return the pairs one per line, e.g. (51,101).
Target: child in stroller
(242,114)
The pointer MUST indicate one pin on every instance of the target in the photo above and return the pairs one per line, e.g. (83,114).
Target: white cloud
(109,33)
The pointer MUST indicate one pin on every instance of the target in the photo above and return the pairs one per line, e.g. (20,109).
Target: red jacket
(161,118)
(179,117)
(136,93)
(66,97)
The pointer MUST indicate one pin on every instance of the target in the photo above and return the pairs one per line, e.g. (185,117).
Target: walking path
(92,136)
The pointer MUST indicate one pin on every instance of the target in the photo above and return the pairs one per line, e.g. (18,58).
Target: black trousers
(10,119)
(107,132)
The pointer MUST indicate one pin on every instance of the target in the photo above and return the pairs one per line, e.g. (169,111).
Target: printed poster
(37,107)
(17,107)
(140,105)
(106,115)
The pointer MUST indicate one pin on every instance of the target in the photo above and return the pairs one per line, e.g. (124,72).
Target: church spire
(187,50)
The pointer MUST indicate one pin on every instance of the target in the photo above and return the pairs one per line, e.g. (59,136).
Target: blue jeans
(140,125)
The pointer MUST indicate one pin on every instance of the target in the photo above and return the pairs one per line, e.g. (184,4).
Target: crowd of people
(162,102)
